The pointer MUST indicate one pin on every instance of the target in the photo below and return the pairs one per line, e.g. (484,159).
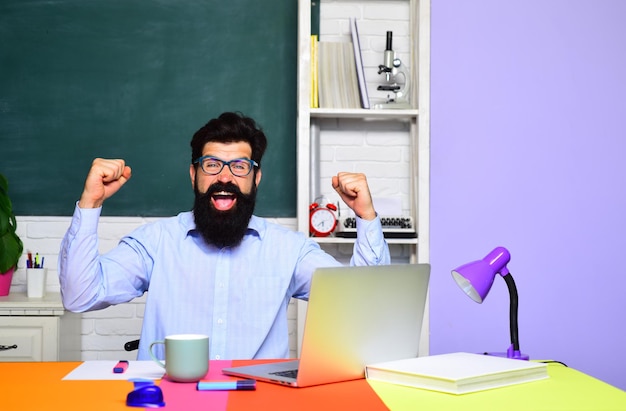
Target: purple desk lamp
(476,278)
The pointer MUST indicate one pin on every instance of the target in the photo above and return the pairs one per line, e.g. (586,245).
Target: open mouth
(223,200)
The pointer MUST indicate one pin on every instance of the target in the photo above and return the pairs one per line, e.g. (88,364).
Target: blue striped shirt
(238,296)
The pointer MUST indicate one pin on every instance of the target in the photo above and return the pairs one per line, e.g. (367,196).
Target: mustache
(227,187)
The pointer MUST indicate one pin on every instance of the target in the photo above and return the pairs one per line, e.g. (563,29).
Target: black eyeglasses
(240,167)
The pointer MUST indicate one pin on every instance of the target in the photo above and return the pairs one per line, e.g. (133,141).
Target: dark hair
(230,128)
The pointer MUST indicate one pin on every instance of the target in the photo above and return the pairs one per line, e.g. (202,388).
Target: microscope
(393,69)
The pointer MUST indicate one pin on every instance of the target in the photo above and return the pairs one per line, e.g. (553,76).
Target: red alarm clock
(322,219)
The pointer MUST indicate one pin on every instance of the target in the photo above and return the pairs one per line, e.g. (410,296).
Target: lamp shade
(476,278)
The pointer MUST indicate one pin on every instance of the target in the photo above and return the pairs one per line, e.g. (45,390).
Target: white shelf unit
(402,121)
(416,120)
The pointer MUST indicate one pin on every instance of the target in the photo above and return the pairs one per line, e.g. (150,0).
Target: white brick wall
(380,150)
(104,332)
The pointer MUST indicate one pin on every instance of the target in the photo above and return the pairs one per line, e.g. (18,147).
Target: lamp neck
(508,278)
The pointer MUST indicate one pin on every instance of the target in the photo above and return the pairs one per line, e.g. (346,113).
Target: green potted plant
(11,246)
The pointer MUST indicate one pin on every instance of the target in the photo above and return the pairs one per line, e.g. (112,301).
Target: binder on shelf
(314,72)
(360,72)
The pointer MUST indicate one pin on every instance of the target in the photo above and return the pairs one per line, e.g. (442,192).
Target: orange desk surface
(39,386)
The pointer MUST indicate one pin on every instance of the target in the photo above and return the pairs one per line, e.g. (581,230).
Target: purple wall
(528,147)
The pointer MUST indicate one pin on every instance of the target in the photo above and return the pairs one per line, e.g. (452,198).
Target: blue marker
(241,385)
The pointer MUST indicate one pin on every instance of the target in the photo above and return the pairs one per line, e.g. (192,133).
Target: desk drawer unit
(37,330)
(28,338)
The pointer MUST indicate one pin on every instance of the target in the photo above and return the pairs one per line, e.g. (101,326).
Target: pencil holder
(36,282)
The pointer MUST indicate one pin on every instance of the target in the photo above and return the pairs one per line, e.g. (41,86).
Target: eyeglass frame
(225,163)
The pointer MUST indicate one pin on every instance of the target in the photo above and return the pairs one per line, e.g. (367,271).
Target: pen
(120,367)
(241,385)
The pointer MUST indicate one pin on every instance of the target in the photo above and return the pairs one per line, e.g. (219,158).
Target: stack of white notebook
(457,373)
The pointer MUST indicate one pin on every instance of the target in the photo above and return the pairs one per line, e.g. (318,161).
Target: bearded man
(218,270)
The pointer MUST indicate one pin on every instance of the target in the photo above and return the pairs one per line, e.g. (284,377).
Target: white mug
(186,357)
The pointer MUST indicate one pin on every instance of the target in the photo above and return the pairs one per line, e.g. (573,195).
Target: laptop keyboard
(288,373)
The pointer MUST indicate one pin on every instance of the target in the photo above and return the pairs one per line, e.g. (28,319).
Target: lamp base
(510,353)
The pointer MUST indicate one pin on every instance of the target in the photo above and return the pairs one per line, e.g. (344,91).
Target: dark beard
(223,228)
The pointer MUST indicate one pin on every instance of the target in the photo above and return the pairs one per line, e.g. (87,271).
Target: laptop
(355,316)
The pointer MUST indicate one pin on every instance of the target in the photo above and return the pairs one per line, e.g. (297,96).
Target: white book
(350,84)
(338,84)
(356,43)
(457,373)
(326,74)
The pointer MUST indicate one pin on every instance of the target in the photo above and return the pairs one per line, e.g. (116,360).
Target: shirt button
(217,357)
(220,321)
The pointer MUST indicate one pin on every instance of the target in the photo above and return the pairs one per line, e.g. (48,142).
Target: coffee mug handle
(154,358)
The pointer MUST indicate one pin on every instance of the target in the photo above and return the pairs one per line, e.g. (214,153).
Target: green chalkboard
(135,79)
